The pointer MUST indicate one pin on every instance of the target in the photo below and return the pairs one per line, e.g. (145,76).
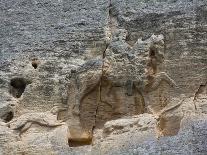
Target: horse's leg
(162,76)
(145,97)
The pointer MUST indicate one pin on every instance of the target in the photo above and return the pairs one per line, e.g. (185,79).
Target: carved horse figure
(138,66)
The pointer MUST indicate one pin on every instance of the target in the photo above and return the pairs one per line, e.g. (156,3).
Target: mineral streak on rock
(103,77)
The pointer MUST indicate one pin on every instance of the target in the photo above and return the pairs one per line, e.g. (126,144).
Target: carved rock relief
(116,86)
(109,88)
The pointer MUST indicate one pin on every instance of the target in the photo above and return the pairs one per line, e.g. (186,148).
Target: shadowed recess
(8,116)
(17,86)
(77,143)
(34,64)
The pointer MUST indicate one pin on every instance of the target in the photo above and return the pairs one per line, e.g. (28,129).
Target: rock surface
(103,77)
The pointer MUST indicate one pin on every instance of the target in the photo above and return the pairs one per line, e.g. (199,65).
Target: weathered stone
(103,77)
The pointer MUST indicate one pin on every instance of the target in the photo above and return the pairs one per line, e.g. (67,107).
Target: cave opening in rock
(34,64)
(78,143)
(17,87)
(8,116)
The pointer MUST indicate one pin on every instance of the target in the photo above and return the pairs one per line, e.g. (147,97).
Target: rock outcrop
(103,77)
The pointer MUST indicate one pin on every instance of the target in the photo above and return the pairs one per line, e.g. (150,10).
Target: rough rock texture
(103,77)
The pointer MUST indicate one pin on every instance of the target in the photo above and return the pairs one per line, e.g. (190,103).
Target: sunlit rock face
(103,77)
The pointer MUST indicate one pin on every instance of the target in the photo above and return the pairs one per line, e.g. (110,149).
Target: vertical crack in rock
(100,86)
(102,68)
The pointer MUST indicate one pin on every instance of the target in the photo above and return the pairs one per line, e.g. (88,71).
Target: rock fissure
(102,70)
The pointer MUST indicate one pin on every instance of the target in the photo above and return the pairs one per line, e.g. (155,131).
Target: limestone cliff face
(103,77)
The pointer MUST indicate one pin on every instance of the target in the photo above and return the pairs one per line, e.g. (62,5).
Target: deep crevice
(100,87)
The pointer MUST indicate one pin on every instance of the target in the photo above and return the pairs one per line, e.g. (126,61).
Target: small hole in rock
(17,86)
(12,105)
(8,116)
(152,53)
(34,65)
